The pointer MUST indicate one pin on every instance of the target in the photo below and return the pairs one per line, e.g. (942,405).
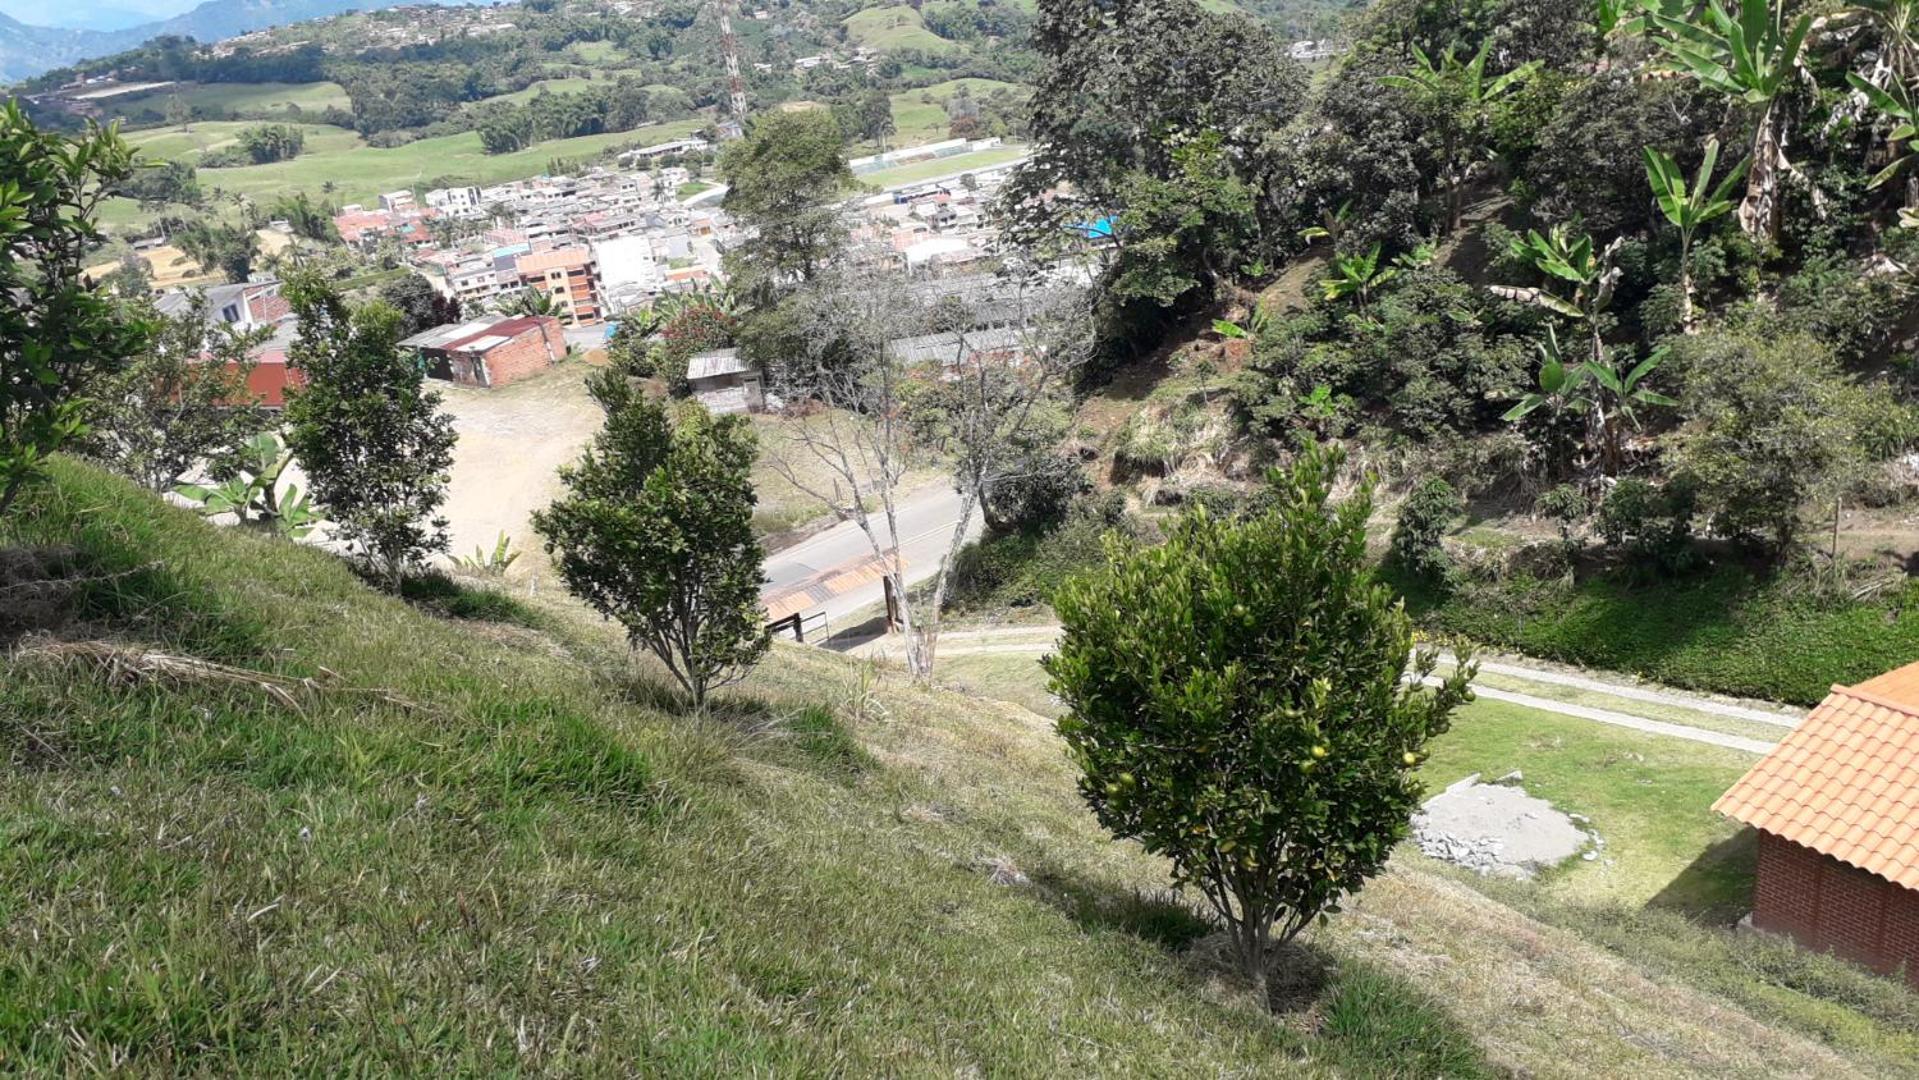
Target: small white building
(397,200)
(724,383)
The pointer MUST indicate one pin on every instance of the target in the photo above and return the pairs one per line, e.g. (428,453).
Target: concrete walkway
(1037,640)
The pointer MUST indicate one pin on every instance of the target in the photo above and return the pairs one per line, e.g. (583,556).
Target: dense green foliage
(58,335)
(374,442)
(1723,630)
(1234,699)
(655,532)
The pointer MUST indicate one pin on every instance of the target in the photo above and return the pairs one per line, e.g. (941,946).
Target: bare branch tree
(892,377)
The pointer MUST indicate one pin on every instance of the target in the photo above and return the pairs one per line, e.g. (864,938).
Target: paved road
(1035,640)
(926,522)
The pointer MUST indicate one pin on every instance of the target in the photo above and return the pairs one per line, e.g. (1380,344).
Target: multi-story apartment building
(571,276)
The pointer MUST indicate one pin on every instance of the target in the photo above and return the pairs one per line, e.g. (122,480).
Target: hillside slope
(492,846)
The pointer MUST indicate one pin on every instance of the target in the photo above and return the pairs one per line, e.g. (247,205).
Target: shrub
(1650,523)
(1775,424)
(655,532)
(1423,521)
(1235,703)
(1432,355)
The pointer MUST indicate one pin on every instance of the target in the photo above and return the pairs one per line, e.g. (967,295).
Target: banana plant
(1331,224)
(1897,103)
(1571,261)
(1689,206)
(493,563)
(1617,403)
(1749,57)
(1357,276)
(1595,390)
(254,494)
(1457,99)
(1558,383)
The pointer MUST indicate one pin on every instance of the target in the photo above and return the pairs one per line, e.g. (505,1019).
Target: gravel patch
(1500,831)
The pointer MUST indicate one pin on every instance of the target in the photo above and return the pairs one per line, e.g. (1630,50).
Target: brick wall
(1828,905)
(531,352)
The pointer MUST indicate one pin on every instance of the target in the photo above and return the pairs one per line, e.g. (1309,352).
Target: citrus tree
(1235,703)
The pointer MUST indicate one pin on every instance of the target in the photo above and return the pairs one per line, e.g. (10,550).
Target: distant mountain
(29,50)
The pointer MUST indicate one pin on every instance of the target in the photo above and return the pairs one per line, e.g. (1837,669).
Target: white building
(396,200)
(459,202)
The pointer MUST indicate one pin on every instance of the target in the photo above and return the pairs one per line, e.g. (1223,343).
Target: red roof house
(1836,804)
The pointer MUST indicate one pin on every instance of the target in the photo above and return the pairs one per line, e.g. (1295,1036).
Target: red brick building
(1836,804)
(491,351)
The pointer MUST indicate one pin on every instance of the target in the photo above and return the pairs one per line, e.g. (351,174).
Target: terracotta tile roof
(559,259)
(1845,782)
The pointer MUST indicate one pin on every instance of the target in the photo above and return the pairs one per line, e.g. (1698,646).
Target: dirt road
(512,443)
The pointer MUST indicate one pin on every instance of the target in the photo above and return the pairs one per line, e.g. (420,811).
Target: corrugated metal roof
(714,363)
(1845,782)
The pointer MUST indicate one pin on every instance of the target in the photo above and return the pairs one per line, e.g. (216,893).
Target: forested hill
(26,50)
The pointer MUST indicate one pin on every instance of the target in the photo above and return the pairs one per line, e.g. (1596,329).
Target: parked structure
(570,276)
(493,351)
(1836,804)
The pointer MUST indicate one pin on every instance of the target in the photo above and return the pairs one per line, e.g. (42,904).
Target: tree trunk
(1685,288)
(1759,210)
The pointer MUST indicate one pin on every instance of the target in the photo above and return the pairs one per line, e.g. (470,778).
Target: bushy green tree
(1774,425)
(421,306)
(1235,703)
(1184,233)
(784,180)
(1421,525)
(267,143)
(58,335)
(655,532)
(375,444)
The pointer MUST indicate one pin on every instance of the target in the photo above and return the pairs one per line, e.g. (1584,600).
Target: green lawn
(267,97)
(571,85)
(600,53)
(360,173)
(893,28)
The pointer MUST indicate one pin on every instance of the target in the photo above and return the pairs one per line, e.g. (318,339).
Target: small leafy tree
(1235,702)
(57,333)
(1455,99)
(183,403)
(656,533)
(1688,207)
(375,444)
(1422,523)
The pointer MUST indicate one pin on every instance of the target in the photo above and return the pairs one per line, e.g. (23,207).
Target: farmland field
(916,121)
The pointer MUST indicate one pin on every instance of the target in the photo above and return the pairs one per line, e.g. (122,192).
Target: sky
(93,14)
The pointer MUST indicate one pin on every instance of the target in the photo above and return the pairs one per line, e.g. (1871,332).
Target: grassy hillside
(493,846)
(265,97)
(893,28)
(360,172)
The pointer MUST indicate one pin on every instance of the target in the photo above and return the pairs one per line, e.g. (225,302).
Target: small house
(491,351)
(1836,804)
(724,383)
